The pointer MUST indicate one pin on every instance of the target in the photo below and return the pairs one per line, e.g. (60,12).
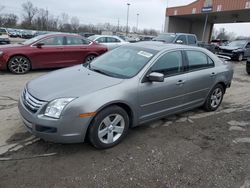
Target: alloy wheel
(111,128)
(216,97)
(19,65)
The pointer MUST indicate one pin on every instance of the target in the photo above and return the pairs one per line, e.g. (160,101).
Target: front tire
(240,57)
(214,98)
(19,65)
(109,127)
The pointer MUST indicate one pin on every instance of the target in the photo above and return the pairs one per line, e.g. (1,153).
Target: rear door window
(198,60)
(76,41)
(112,40)
(53,41)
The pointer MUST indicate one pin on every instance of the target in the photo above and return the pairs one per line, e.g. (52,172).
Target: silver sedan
(123,88)
(111,42)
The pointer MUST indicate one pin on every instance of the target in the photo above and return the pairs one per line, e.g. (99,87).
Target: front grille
(226,51)
(31,102)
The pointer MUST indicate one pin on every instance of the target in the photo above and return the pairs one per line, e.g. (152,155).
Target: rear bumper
(63,130)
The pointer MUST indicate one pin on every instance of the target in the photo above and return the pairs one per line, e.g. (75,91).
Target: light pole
(137,22)
(127,19)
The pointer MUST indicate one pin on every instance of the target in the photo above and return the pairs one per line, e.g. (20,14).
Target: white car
(4,38)
(111,42)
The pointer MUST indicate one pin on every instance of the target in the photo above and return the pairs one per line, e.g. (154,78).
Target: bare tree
(75,23)
(29,12)
(8,20)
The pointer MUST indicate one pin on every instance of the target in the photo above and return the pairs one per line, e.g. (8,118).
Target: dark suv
(178,38)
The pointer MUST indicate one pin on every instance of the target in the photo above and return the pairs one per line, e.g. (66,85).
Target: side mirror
(156,77)
(179,42)
(39,44)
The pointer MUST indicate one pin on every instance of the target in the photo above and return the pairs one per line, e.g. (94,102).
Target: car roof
(161,46)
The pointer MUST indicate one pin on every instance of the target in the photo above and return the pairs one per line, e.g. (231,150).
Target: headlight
(55,107)
(237,50)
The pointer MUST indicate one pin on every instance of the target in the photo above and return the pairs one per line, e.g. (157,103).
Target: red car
(48,51)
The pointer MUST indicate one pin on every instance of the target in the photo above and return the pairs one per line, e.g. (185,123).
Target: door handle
(180,82)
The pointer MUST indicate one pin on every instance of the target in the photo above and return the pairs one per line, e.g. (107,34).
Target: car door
(49,54)
(201,76)
(163,98)
(113,43)
(247,50)
(76,50)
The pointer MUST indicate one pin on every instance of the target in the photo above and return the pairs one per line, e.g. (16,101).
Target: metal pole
(127,19)
(204,29)
(137,23)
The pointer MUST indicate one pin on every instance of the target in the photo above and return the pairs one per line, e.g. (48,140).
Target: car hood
(75,81)
(230,47)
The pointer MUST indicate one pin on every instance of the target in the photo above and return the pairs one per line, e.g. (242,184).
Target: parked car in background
(12,33)
(219,42)
(111,42)
(237,50)
(210,47)
(248,66)
(146,38)
(37,33)
(125,87)
(4,38)
(177,38)
(48,51)
(27,35)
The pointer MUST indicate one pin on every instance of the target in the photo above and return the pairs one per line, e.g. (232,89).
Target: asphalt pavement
(192,149)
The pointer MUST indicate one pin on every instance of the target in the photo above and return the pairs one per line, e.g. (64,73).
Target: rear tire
(214,98)
(19,65)
(109,127)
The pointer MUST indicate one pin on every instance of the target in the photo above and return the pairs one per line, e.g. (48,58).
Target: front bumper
(232,55)
(67,129)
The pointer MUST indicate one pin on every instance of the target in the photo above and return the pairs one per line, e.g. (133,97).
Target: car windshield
(239,43)
(123,62)
(169,38)
(32,40)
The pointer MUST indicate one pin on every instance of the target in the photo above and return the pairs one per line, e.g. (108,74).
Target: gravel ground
(192,149)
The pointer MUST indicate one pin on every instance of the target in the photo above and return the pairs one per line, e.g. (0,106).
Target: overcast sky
(152,12)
